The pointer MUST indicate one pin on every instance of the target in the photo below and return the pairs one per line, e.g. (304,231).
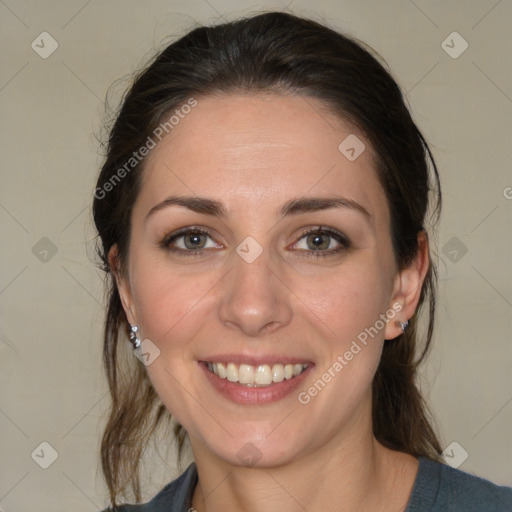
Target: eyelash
(339,237)
(165,244)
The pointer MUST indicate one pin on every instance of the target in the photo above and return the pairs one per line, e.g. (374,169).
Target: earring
(133,336)
(403,325)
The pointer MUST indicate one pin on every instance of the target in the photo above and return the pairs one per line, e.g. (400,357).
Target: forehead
(259,150)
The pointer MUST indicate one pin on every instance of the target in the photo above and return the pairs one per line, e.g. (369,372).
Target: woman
(262,213)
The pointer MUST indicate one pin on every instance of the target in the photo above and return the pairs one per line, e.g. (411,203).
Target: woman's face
(243,277)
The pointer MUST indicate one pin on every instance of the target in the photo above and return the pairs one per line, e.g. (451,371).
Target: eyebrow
(294,206)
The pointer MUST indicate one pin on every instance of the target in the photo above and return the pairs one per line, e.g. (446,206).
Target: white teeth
(262,375)
(297,369)
(231,372)
(245,374)
(221,370)
(278,373)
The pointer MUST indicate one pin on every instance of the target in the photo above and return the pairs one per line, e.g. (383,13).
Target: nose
(255,299)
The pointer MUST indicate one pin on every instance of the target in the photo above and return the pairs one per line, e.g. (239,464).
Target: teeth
(245,374)
(263,375)
(256,376)
(232,372)
(297,369)
(221,370)
(278,373)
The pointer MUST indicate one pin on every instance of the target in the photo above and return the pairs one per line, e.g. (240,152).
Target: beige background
(51,386)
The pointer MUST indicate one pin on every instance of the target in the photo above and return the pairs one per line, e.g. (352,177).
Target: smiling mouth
(256,376)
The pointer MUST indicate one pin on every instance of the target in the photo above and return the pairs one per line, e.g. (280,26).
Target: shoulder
(174,497)
(439,487)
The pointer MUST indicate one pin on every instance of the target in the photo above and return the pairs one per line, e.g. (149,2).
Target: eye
(321,241)
(188,241)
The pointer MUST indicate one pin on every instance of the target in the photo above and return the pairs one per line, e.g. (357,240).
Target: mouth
(247,380)
(261,375)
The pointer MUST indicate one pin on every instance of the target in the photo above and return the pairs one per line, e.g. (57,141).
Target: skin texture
(254,153)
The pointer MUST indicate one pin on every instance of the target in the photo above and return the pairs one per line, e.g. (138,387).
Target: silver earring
(403,325)
(133,336)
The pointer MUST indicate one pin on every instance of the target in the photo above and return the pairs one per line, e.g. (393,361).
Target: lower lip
(245,395)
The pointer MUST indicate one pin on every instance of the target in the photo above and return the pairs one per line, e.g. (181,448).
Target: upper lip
(255,360)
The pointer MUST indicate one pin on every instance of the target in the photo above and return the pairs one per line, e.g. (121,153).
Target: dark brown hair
(280,53)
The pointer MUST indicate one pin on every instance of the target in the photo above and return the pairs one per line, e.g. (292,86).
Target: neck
(354,474)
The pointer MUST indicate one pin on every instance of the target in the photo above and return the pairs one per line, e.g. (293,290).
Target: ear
(123,285)
(407,288)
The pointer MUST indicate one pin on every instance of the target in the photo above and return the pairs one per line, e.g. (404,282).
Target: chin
(256,451)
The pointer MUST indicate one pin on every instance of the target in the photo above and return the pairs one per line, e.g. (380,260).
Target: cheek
(172,309)
(345,308)
(344,302)
(172,306)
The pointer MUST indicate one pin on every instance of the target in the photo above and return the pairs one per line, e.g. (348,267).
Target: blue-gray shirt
(437,488)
